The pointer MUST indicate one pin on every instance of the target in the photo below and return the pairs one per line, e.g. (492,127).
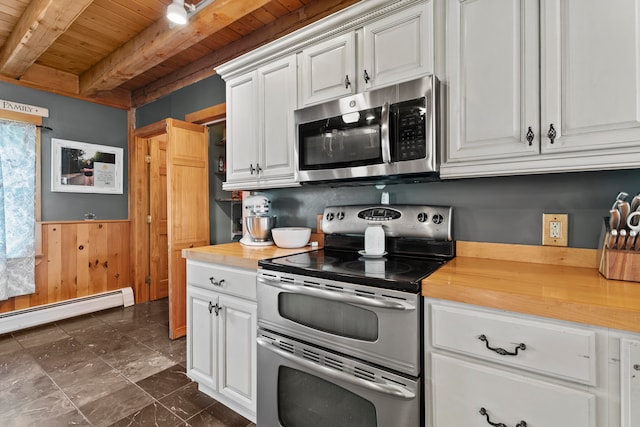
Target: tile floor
(112,368)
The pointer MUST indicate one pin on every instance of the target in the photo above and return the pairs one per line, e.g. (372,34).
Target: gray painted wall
(501,209)
(82,121)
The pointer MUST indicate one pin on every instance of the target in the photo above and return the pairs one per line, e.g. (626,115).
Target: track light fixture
(177,12)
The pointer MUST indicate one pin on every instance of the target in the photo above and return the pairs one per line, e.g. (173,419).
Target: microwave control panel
(410,121)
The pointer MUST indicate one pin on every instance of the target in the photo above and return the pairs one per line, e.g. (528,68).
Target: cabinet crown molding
(348,19)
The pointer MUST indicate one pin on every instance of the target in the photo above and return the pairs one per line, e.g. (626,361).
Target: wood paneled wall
(78,259)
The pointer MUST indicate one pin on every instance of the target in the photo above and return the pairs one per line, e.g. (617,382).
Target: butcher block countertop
(238,255)
(560,283)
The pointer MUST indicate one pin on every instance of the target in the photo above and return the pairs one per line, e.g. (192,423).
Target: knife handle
(614,219)
(625,210)
(613,239)
(631,240)
(622,239)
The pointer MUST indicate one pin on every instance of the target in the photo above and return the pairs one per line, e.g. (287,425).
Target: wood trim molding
(211,114)
(554,255)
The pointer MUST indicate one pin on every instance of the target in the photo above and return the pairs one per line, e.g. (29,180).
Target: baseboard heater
(39,315)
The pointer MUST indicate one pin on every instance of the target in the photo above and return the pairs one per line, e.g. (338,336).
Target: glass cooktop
(389,271)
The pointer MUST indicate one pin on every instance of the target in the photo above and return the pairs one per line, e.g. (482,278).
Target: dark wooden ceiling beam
(205,67)
(159,42)
(40,25)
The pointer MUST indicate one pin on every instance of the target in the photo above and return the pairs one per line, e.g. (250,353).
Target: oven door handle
(385,141)
(390,389)
(335,296)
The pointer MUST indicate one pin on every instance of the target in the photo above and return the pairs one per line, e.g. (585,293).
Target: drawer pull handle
(636,367)
(484,413)
(502,351)
(214,282)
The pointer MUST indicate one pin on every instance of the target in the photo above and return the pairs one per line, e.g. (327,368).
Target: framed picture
(79,167)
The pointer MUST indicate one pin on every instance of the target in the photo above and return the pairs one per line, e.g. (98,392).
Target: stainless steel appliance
(380,134)
(340,330)
(257,221)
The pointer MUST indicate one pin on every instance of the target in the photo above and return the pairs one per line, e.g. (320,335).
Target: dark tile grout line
(60,325)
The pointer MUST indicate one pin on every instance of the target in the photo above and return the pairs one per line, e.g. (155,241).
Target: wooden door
(158,243)
(187,209)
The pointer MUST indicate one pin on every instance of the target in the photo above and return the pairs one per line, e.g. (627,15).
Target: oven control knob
(437,219)
(423,217)
(330,216)
(340,215)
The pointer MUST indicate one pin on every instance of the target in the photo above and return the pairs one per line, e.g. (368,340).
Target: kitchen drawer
(232,281)
(550,348)
(460,389)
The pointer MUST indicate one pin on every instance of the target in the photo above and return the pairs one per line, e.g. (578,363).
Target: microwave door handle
(384,134)
(336,296)
(391,389)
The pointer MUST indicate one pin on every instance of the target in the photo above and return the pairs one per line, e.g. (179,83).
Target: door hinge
(147,280)
(147,158)
(148,219)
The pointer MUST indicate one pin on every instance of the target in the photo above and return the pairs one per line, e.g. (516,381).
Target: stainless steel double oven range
(339,331)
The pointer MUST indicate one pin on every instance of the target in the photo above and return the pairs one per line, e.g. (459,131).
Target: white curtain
(17,208)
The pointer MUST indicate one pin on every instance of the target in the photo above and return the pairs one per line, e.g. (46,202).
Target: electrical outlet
(555,229)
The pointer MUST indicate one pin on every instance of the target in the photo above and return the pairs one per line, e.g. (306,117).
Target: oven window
(334,317)
(333,143)
(305,400)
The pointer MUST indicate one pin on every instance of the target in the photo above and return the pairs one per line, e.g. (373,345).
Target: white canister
(374,240)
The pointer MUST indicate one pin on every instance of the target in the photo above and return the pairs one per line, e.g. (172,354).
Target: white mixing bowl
(291,237)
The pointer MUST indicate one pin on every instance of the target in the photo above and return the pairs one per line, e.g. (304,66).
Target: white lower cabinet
(473,394)
(490,367)
(630,382)
(221,334)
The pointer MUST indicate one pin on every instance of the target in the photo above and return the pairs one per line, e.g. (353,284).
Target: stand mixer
(257,221)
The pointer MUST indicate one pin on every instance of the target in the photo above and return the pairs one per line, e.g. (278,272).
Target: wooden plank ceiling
(124,53)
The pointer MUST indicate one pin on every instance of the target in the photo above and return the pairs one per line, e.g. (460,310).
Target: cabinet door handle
(483,412)
(217,309)
(502,351)
(366,76)
(214,282)
(258,168)
(251,168)
(552,134)
(530,135)
(210,307)
(347,83)
(636,367)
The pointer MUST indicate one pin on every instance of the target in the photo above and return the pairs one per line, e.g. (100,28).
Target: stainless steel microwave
(381,135)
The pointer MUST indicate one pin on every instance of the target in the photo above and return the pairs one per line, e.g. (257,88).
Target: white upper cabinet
(398,47)
(277,101)
(541,86)
(242,135)
(328,69)
(590,74)
(260,128)
(492,65)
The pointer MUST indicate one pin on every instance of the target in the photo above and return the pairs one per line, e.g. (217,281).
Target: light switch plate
(555,229)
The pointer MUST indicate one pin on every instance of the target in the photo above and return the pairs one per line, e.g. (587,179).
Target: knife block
(617,264)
